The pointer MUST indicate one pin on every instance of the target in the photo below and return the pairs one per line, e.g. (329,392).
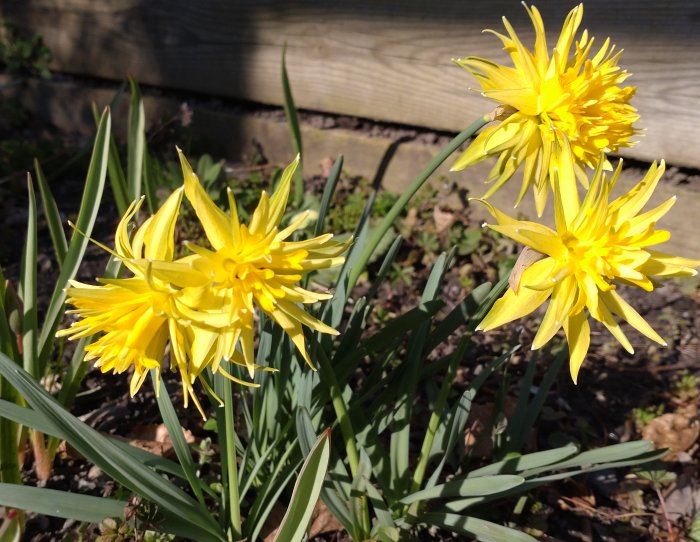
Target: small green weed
(23,55)
(644,415)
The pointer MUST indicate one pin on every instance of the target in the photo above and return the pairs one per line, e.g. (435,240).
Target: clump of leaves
(349,203)
(644,415)
(23,55)
(685,387)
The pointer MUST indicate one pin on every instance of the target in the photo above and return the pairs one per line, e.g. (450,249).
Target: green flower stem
(341,409)
(399,206)
(341,412)
(229,457)
(438,410)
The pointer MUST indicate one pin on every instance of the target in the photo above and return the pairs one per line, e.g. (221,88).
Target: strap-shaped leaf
(460,414)
(29,418)
(336,498)
(306,491)
(475,527)
(328,191)
(400,438)
(467,487)
(371,244)
(29,287)
(519,463)
(62,504)
(117,179)
(290,112)
(53,218)
(172,424)
(136,144)
(109,457)
(92,194)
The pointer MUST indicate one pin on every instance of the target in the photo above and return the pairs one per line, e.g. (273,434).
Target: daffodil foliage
(597,244)
(203,304)
(547,98)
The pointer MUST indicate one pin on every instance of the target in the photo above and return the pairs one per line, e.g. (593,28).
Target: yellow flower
(546,100)
(254,265)
(597,243)
(132,313)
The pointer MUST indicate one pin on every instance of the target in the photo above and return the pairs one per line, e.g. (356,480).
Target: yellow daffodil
(546,99)
(597,243)
(254,265)
(133,312)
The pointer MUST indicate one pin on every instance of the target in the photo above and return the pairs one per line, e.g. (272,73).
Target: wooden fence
(385,60)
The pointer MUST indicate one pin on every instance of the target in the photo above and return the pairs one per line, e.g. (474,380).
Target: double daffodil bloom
(549,98)
(135,314)
(597,243)
(255,265)
(204,303)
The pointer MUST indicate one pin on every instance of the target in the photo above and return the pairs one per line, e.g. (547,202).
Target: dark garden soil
(619,397)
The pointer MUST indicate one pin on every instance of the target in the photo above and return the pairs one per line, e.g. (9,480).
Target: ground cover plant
(268,318)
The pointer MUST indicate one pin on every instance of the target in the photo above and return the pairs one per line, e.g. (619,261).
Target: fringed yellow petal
(578,336)
(216,224)
(512,306)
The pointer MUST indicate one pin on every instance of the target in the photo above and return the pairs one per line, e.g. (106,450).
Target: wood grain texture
(385,60)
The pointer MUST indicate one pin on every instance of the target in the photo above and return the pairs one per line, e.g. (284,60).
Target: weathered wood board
(379,60)
(240,136)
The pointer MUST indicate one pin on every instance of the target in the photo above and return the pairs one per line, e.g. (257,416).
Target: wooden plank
(240,136)
(379,60)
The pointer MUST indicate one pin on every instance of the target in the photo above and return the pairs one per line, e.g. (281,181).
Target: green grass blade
(514,435)
(462,313)
(62,504)
(29,286)
(388,220)
(290,111)
(336,498)
(30,418)
(53,218)
(438,420)
(384,268)
(482,530)
(136,143)
(306,492)
(399,444)
(467,487)
(333,309)
(608,454)
(94,186)
(269,493)
(149,181)
(520,463)
(109,457)
(73,376)
(460,415)
(9,459)
(526,411)
(172,424)
(8,337)
(328,191)
(117,179)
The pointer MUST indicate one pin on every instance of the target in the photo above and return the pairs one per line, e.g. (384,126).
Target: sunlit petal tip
(574,375)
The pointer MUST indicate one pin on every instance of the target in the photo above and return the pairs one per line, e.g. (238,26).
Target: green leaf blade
(53,217)
(306,492)
(62,504)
